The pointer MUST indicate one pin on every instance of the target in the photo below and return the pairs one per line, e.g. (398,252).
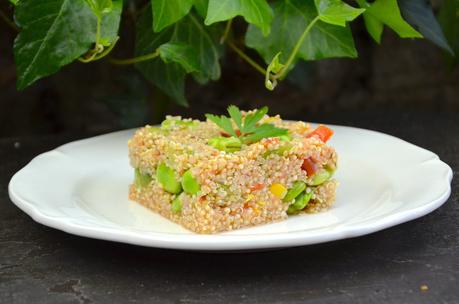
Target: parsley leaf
(249,131)
(236,115)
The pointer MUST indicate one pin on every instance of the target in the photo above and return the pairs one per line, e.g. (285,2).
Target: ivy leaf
(180,53)
(54,33)
(386,12)
(14,2)
(420,15)
(203,51)
(274,67)
(449,19)
(100,7)
(201,7)
(169,77)
(256,12)
(167,12)
(373,25)
(290,20)
(336,11)
(204,39)
(110,23)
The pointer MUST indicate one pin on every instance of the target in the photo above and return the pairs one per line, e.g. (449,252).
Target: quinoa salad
(235,171)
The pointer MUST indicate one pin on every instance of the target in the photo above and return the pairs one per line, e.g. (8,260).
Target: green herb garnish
(247,128)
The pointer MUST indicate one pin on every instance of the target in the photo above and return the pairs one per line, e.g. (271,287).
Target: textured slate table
(416,262)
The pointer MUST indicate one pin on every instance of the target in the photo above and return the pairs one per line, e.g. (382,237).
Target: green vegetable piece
(293,192)
(286,137)
(152,129)
(320,177)
(189,183)
(300,202)
(141,179)
(176,205)
(166,177)
(279,151)
(168,124)
(227,144)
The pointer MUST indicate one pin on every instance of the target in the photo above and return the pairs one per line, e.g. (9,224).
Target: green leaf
(204,40)
(251,120)
(419,14)
(110,23)
(388,12)
(14,2)
(373,25)
(168,12)
(223,122)
(274,67)
(290,20)
(201,7)
(256,12)
(449,19)
(188,31)
(180,53)
(54,33)
(336,11)
(100,7)
(170,78)
(264,131)
(235,115)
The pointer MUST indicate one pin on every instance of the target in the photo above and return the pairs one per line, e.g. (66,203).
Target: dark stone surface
(42,265)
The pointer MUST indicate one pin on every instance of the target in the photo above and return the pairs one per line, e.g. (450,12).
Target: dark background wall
(399,75)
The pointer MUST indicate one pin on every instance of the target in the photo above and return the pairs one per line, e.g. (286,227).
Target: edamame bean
(320,177)
(189,183)
(293,192)
(141,179)
(227,144)
(300,202)
(166,177)
(176,205)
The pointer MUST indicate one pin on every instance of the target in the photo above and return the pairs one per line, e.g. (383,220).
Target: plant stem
(295,50)
(247,58)
(227,30)
(107,50)
(7,20)
(135,59)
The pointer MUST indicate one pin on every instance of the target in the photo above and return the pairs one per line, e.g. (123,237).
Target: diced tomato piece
(323,132)
(256,187)
(309,166)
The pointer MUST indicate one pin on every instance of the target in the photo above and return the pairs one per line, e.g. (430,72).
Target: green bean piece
(166,177)
(189,183)
(286,137)
(320,177)
(176,205)
(293,192)
(227,144)
(300,202)
(141,179)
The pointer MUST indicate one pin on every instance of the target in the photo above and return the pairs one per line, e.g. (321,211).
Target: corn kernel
(249,198)
(278,190)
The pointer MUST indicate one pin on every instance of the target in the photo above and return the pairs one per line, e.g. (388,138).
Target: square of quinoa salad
(227,173)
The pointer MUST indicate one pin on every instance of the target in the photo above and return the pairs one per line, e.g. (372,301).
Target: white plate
(82,188)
